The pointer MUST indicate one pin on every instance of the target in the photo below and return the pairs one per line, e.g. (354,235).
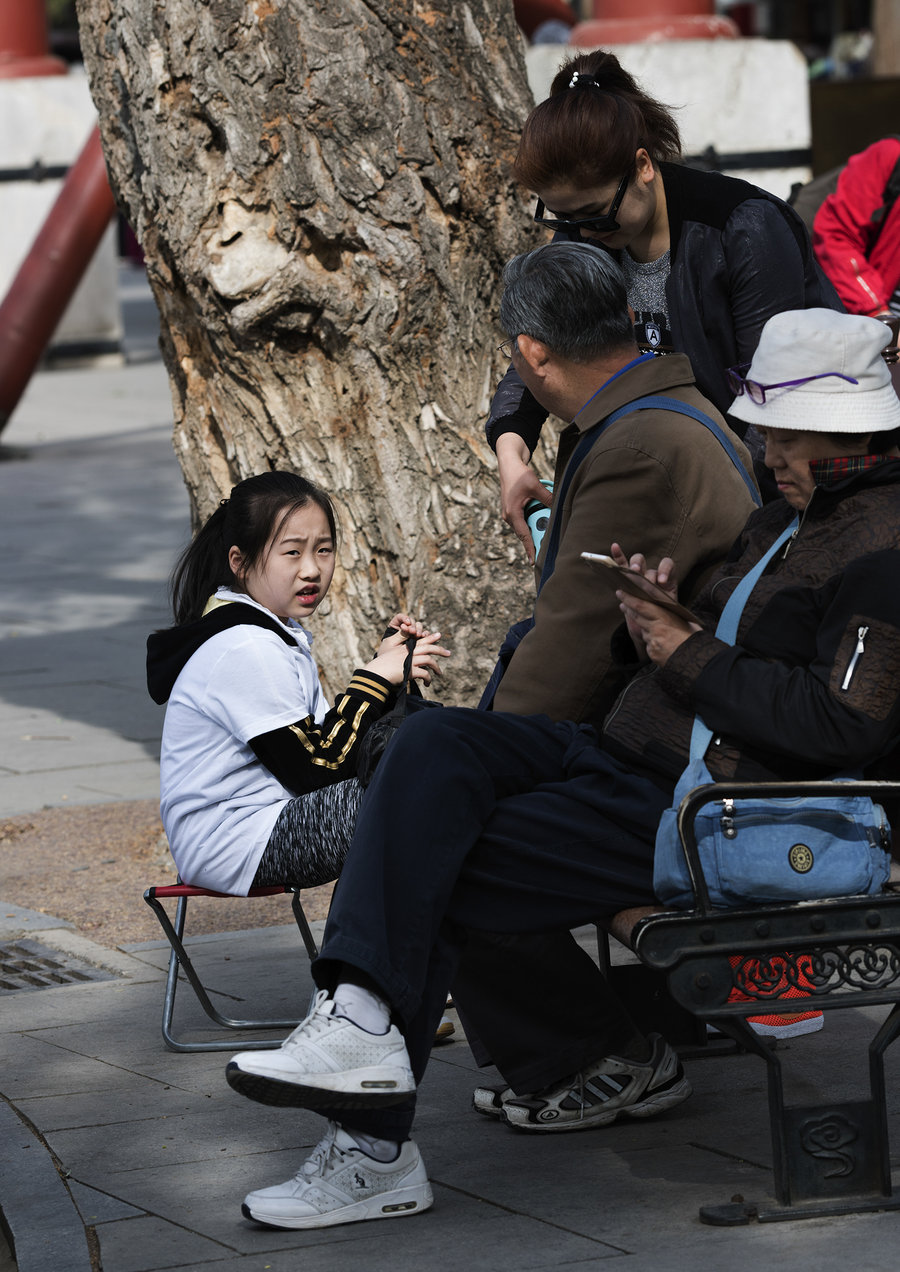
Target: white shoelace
(316,1020)
(323,1153)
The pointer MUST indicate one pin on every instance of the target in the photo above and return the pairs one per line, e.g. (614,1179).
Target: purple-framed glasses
(756,392)
(605,224)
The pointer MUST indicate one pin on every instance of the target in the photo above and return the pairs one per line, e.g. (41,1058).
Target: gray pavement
(94,511)
(115,1152)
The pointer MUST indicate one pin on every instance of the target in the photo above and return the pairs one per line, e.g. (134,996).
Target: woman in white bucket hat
(815,373)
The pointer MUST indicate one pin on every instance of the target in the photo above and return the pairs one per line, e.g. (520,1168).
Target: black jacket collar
(169,650)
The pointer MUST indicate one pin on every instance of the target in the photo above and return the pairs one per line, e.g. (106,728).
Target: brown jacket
(655,482)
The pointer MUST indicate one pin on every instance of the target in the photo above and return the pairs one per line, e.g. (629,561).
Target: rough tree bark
(322,189)
(886,29)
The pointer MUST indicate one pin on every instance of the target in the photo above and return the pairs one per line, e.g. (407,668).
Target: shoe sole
(785,1030)
(495,1110)
(790,1029)
(283,1093)
(656,1102)
(405,1201)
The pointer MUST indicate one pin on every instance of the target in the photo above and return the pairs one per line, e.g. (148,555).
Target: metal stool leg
(180,957)
(300,918)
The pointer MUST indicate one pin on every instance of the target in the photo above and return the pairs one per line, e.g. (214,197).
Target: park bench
(831,1158)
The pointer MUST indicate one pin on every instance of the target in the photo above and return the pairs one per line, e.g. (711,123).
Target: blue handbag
(755,851)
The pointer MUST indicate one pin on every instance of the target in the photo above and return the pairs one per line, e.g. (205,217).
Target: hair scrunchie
(581,79)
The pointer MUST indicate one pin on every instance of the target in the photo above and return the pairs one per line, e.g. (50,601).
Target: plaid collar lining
(828,472)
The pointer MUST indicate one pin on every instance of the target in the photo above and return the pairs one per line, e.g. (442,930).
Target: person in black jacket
(708,259)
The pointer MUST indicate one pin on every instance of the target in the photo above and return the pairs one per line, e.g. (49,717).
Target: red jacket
(864,276)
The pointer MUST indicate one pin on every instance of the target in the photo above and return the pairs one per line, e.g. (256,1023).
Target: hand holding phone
(621,579)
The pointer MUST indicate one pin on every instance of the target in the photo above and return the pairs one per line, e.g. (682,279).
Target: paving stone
(148,1243)
(77,786)
(16,919)
(98,1207)
(45,1229)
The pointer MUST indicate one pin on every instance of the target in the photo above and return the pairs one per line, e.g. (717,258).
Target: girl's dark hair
(248,519)
(589,134)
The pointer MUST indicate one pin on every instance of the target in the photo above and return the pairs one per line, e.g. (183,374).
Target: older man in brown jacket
(652,479)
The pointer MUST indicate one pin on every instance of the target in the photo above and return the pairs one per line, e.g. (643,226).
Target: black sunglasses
(605,224)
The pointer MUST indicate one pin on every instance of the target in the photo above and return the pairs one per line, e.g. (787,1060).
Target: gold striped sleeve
(329,745)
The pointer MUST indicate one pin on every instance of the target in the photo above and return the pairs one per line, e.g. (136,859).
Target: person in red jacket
(856,237)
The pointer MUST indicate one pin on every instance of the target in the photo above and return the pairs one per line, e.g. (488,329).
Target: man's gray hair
(571,297)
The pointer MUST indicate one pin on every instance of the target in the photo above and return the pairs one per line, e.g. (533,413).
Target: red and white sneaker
(805,1022)
(772,973)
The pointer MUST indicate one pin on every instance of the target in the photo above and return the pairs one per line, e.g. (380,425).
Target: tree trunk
(323,194)
(886,30)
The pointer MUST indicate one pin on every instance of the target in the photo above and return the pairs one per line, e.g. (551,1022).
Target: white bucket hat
(810,342)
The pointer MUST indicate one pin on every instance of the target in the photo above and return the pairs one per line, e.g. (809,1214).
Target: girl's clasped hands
(391,653)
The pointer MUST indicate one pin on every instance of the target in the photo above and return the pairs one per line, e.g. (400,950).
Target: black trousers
(487,822)
(533,1006)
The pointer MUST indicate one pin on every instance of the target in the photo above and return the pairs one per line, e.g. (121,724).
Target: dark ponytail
(254,513)
(588,130)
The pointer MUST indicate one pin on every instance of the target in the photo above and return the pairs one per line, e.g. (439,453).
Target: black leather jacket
(738,256)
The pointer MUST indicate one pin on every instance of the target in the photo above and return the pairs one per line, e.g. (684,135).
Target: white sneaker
(339,1184)
(327,1062)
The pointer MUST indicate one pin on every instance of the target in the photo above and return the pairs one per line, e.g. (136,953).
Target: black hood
(169,650)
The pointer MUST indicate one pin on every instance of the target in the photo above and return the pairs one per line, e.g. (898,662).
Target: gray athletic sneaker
(601,1092)
(339,1183)
(327,1062)
(490,1100)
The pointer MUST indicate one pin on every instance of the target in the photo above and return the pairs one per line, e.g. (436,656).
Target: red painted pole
(52,270)
(24,49)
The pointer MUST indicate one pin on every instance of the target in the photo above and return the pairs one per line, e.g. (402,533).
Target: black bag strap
(408,685)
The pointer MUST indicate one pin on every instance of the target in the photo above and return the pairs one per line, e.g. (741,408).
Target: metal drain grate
(28,965)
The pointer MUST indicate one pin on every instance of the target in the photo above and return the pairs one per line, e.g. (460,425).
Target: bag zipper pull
(726,821)
(861,634)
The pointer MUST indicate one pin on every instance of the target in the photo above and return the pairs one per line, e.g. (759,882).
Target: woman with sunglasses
(707,258)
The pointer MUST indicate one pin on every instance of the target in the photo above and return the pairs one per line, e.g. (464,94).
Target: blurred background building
(772,90)
(850,51)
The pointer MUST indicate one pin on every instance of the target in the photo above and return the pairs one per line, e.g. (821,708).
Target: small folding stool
(182,892)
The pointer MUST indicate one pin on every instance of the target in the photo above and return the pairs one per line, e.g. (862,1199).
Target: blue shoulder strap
(639,404)
(727,626)
(672,404)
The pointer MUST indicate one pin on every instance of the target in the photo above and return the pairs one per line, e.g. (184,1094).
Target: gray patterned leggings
(310,840)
